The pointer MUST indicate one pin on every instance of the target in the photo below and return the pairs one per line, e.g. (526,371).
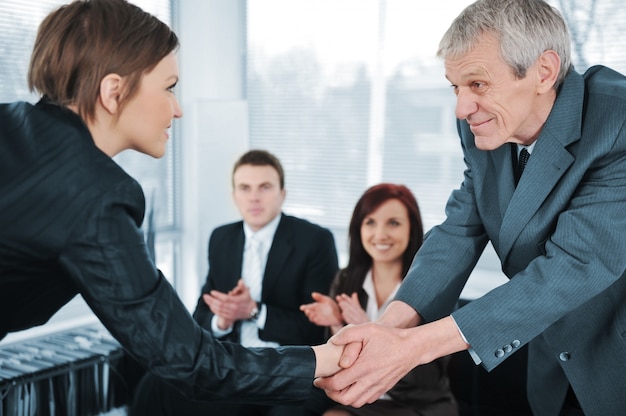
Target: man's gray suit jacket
(561,239)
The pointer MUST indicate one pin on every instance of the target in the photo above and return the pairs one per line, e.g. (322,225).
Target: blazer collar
(281,249)
(549,161)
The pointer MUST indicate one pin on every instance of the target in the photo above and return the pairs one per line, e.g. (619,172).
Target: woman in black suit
(71,216)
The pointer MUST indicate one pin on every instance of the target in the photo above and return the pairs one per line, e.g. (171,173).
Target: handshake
(361,362)
(345,365)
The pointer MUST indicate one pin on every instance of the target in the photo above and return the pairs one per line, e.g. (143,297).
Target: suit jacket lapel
(278,255)
(545,168)
(501,159)
(549,161)
(234,264)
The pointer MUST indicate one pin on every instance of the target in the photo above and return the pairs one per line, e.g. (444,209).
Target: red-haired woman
(385,233)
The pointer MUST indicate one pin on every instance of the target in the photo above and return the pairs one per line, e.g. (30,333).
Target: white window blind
(597,28)
(348,94)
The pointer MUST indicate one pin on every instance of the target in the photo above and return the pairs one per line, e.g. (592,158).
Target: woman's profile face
(385,232)
(145,120)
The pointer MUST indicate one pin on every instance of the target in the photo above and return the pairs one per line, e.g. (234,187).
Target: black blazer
(302,259)
(69,224)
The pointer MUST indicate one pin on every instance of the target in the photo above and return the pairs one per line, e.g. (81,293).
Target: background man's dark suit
(302,259)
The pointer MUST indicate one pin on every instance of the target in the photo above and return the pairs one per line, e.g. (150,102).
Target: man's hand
(376,355)
(374,359)
(232,306)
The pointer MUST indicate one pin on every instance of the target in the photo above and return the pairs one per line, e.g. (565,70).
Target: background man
(261,269)
(252,293)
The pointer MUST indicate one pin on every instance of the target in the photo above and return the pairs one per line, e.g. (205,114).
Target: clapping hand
(351,310)
(324,311)
(230,307)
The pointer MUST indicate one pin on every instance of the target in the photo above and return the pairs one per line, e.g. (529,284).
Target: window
(349,93)
(18,27)
(353,96)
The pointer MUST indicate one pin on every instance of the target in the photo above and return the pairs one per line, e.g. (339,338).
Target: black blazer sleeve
(70,224)
(109,262)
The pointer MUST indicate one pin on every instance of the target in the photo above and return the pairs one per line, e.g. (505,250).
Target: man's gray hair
(524,28)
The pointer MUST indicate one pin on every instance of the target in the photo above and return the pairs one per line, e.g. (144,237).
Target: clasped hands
(235,305)
(376,355)
(372,360)
(373,355)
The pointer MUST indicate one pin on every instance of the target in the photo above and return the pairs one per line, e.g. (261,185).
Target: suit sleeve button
(516,343)
(507,348)
(564,356)
(499,353)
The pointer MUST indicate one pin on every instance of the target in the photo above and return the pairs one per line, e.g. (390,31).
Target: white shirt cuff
(217,331)
(260,321)
(472,353)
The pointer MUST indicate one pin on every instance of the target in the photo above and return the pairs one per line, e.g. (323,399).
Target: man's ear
(111,92)
(549,65)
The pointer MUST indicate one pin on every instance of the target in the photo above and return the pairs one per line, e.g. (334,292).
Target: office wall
(213,130)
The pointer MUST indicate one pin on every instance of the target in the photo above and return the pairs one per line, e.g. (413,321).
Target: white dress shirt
(266,236)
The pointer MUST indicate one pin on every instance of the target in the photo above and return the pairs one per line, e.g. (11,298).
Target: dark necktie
(521,164)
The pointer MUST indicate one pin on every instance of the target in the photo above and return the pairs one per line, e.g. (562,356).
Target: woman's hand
(323,312)
(327,359)
(351,310)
